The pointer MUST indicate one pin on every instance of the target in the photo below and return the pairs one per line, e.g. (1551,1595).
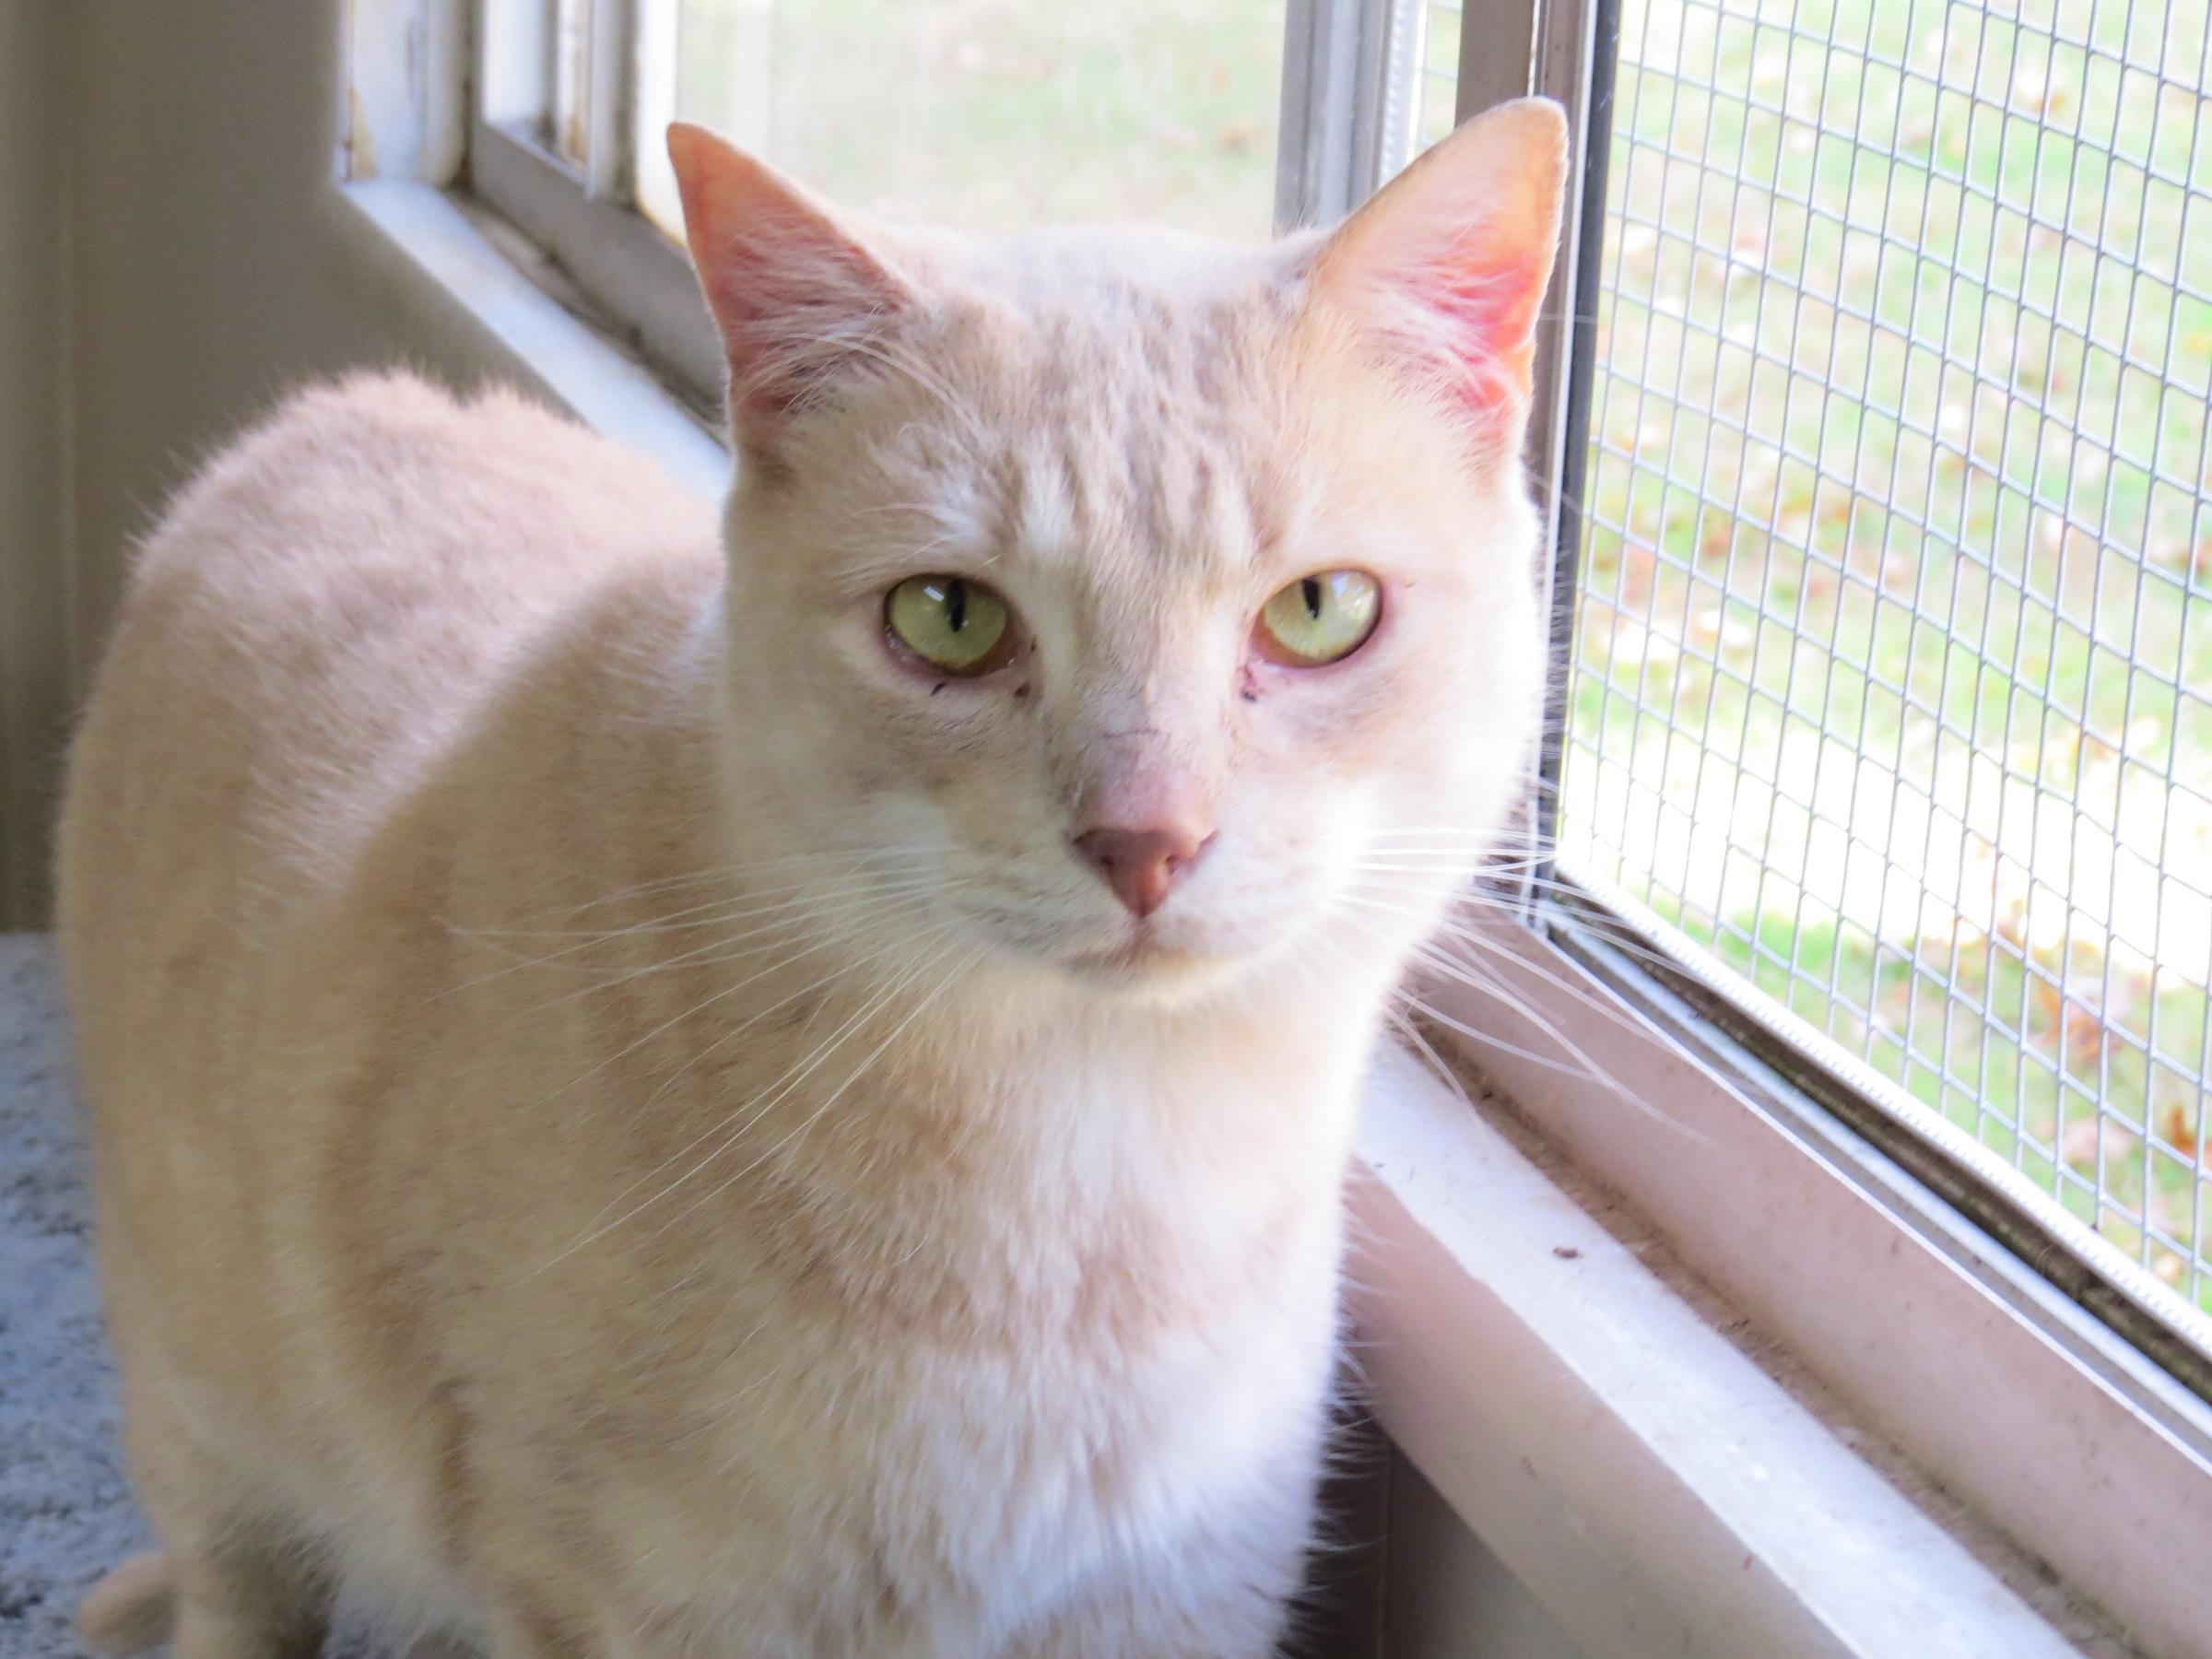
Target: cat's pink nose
(1143,866)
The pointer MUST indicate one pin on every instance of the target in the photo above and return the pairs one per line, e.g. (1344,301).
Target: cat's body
(622,1126)
(827,1432)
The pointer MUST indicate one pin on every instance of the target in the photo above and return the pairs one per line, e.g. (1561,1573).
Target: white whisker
(792,1079)
(712,913)
(787,917)
(832,1098)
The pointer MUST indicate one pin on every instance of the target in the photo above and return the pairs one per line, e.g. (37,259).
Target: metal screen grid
(1892,674)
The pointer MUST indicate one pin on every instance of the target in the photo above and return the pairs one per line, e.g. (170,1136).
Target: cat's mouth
(1141,949)
(1156,954)
(1146,956)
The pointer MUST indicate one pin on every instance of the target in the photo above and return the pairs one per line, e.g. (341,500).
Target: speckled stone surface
(67,1513)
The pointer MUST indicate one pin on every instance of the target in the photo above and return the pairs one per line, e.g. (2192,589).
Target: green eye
(951,623)
(1319,618)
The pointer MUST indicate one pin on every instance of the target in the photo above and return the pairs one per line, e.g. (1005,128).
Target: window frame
(1348,118)
(1345,123)
(1955,1267)
(1893,1274)
(637,283)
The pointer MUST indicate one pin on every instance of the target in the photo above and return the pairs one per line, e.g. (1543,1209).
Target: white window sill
(1652,1485)
(570,360)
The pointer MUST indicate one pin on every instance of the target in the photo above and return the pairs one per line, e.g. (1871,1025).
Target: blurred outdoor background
(1893,675)
(992,114)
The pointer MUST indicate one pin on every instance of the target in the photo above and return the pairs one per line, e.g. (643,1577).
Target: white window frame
(1682,1502)
(639,280)
(1920,1278)
(1346,124)
(1350,71)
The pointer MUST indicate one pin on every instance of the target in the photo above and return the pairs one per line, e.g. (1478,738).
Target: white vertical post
(609,173)
(407,78)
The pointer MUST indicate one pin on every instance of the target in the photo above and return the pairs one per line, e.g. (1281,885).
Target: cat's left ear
(1448,263)
(799,297)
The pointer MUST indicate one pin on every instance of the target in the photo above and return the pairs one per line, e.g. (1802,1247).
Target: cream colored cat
(785,1093)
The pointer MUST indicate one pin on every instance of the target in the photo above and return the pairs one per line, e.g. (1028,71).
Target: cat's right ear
(796,296)
(1447,264)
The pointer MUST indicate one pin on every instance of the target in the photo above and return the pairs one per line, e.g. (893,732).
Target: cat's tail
(131,1610)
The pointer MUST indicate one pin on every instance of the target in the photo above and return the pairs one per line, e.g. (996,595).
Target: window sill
(541,326)
(1653,1487)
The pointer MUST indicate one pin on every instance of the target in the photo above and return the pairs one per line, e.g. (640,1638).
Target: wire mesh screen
(1891,681)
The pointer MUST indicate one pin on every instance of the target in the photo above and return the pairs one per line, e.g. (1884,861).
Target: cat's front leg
(533,1624)
(234,1607)
(1224,1595)
(1241,1623)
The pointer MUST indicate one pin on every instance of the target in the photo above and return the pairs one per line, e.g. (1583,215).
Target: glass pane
(990,114)
(1892,678)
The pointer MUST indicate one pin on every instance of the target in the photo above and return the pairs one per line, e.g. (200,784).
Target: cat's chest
(967,1469)
(1093,1207)
(963,1331)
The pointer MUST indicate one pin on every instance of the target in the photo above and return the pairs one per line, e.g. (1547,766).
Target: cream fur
(624,1129)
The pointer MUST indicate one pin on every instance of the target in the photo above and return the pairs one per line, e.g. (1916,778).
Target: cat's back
(335,604)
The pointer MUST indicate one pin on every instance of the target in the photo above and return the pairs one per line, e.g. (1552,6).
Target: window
(1236,117)
(1891,678)
(1873,426)
(1879,456)
(1877,817)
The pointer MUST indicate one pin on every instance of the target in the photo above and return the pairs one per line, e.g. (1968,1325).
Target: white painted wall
(34,561)
(187,149)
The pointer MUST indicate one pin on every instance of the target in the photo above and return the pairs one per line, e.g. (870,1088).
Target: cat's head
(1140,604)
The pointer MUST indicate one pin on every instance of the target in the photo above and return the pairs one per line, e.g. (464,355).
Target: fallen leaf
(1240,135)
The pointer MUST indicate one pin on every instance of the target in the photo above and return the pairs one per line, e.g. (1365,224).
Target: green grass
(991,115)
(1898,584)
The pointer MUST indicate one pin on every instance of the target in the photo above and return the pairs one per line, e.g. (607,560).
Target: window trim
(1608,1439)
(1591,922)
(640,282)
(2136,1434)
(1346,117)
(1925,1325)
(1970,1278)
(1345,125)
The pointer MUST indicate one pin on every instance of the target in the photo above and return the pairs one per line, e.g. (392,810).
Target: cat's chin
(1163,959)
(1146,967)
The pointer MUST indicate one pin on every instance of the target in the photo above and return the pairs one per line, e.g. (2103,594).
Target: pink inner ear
(796,299)
(1484,304)
(787,298)
(1448,263)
